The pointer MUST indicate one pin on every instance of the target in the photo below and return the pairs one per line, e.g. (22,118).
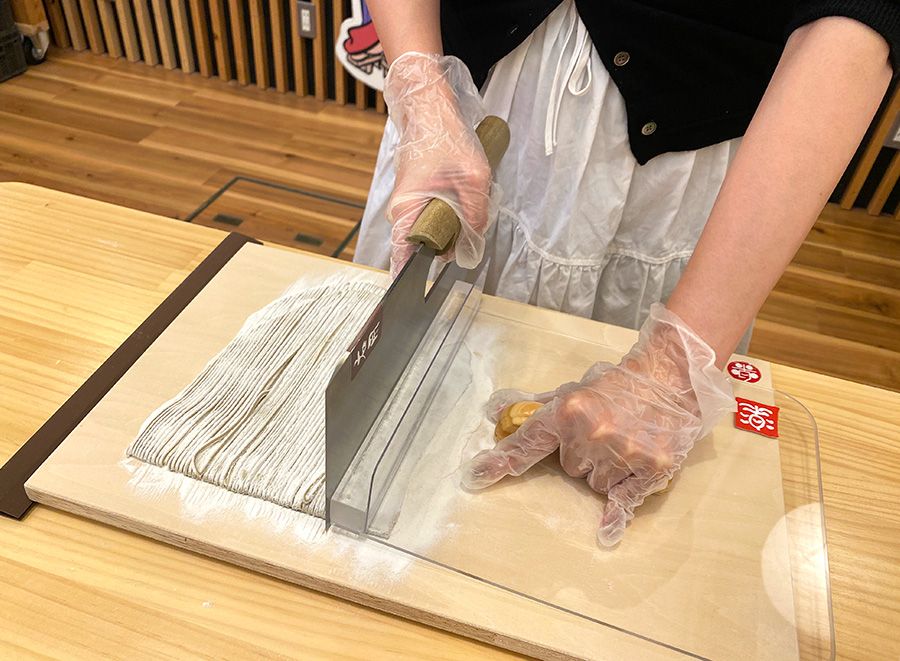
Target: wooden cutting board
(703,571)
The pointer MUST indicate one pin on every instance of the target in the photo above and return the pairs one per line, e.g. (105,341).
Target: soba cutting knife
(383,349)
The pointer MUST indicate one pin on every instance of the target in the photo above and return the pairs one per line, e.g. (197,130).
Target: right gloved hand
(625,428)
(435,106)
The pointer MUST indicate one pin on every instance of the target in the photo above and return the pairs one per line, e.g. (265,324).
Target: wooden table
(77,276)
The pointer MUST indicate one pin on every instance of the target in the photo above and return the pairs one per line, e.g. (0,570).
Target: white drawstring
(577,78)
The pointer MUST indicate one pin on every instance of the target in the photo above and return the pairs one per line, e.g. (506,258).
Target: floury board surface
(661,575)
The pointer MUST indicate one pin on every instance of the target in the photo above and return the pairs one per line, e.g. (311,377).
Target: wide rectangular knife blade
(377,358)
(381,351)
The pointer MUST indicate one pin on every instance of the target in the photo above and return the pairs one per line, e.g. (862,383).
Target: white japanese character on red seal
(756,417)
(744,371)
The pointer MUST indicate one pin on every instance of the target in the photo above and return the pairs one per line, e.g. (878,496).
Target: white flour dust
(212,510)
(456,430)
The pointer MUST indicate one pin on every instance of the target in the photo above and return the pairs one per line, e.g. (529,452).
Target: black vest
(692,72)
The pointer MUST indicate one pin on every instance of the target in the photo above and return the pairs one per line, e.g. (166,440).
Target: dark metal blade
(378,356)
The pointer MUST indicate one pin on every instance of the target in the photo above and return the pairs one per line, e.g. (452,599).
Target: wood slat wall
(257,42)
(863,169)
(254,42)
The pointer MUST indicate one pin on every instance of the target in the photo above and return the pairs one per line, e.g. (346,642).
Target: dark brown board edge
(14,502)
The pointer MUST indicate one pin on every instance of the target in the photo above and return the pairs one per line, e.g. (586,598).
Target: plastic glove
(436,107)
(626,428)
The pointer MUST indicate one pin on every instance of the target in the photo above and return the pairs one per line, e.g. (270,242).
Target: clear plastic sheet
(729,562)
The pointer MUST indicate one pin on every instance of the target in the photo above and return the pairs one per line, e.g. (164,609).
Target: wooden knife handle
(438,226)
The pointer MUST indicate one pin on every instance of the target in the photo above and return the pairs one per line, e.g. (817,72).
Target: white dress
(582,227)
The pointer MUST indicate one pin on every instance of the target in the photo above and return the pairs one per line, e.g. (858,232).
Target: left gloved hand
(625,428)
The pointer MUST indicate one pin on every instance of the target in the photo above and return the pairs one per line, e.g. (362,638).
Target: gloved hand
(436,107)
(626,428)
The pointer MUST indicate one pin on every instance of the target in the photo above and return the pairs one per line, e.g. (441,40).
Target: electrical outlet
(307,16)
(892,139)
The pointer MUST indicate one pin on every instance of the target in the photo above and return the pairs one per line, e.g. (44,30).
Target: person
(660,151)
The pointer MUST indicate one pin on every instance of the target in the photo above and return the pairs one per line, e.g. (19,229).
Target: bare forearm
(827,87)
(407,25)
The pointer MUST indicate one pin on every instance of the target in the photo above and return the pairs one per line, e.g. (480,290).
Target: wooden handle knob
(513,417)
(438,225)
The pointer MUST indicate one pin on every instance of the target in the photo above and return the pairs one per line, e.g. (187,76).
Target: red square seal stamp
(744,371)
(756,417)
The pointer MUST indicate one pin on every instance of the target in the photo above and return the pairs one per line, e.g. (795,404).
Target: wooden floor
(164,142)
(836,309)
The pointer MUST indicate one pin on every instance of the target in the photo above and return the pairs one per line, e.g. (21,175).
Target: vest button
(649,128)
(621,58)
